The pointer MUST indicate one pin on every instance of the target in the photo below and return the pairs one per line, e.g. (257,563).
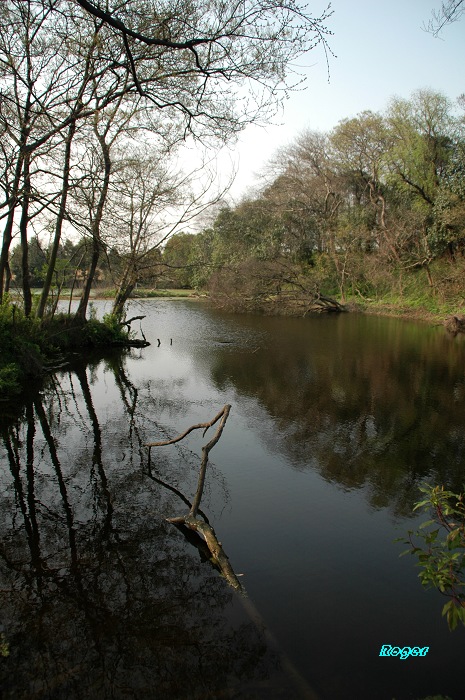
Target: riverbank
(427,310)
(30,347)
(437,315)
(398,310)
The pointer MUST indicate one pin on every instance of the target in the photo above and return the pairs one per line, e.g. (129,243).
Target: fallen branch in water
(134,342)
(191,520)
(130,320)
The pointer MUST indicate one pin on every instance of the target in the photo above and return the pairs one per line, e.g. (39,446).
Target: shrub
(25,343)
(441,554)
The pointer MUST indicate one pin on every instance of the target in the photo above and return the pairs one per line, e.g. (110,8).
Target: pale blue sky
(381,51)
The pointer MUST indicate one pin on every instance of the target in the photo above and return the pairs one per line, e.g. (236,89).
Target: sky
(382,51)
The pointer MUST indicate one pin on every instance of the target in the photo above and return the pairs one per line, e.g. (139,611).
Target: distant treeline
(373,209)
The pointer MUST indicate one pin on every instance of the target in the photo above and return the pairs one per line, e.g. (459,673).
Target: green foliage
(20,352)
(447,232)
(373,209)
(66,332)
(179,261)
(71,257)
(26,343)
(9,379)
(162,293)
(439,544)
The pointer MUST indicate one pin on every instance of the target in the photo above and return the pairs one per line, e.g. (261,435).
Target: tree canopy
(83,82)
(368,209)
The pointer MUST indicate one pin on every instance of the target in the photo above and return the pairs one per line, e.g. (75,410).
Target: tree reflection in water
(365,405)
(100,597)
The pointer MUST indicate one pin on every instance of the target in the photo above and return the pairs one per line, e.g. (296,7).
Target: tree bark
(23,224)
(59,222)
(97,245)
(8,230)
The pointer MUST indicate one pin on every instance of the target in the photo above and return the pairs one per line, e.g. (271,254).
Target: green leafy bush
(26,343)
(439,544)
(20,351)
(9,379)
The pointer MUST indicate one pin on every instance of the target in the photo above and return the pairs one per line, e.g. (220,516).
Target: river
(335,422)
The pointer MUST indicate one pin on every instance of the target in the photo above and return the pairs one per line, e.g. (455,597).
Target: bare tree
(45,68)
(306,192)
(449,12)
(65,63)
(106,128)
(181,56)
(155,200)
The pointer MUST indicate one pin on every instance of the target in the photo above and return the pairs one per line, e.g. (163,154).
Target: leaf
(432,536)
(421,504)
(453,619)
(446,607)
(426,523)
(454,538)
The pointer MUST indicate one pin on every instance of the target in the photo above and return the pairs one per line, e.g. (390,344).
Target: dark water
(335,421)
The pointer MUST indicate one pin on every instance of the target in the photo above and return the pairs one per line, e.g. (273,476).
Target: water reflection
(370,404)
(100,596)
(103,598)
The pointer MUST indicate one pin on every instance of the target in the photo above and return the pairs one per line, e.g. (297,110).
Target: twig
(224,410)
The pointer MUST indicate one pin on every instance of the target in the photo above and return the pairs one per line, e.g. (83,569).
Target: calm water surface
(335,421)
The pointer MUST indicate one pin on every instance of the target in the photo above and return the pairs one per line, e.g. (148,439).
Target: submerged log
(218,555)
(131,343)
(455,324)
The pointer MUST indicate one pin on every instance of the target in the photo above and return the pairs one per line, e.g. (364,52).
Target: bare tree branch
(191,520)
(450,12)
(114,22)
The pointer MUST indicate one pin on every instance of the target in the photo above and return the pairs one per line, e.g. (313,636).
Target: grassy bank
(414,309)
(140,293)
(165,294)
(423,307)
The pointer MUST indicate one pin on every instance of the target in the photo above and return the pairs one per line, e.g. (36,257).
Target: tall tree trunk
(7,278)
(76,270)
(84,301)
(23,225)
(125,287)
(59,222)
(97,245)
(5,274)
(121,298)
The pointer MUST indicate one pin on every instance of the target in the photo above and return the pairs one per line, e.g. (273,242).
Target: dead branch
(223,411)
(191,520)
(218,555)
(130,320)
(133,342)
